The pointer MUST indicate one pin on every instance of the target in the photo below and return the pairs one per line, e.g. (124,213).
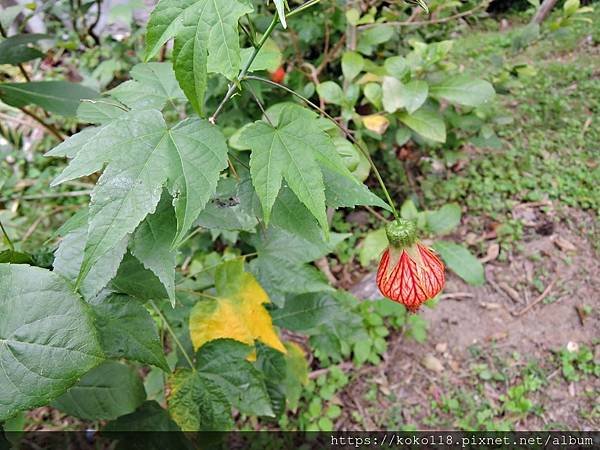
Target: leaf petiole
(173,335)
(6,239)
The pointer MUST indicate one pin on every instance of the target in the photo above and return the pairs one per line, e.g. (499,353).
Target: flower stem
(363,150)
(173,335)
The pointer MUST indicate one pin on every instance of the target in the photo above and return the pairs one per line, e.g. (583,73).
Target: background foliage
(191,260)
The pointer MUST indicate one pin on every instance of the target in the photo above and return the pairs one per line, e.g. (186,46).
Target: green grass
(550,150)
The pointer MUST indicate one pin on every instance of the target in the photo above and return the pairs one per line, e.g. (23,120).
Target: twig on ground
(581,314)
(367,420)
(497,288)
(456,296)
(514,295)
(37,222)
(539,299)
(331,54)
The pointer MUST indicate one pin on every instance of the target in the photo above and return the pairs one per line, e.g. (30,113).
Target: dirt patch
(541,298)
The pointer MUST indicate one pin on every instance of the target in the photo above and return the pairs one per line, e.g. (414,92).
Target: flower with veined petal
(409,272)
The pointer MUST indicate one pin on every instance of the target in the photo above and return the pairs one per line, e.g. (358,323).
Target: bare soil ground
(532,303)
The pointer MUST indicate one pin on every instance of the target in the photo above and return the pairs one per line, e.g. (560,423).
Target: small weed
(577,363)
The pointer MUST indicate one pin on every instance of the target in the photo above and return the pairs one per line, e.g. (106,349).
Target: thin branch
(260,105)
(252,31)
(248,35)
(301,8)
(233,87)
(199,294)
(331,54)
(173,335)
(375,213)
(17,120)
(428,22)
(41,121)
(317,373)
(539,299)
(232,168)
(239,161)
(90,29)
(350,28)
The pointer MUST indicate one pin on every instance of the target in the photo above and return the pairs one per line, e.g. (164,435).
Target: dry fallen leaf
(490,306)
(492,253)
(430,362)
(499,336)
(441,347)
(564,245)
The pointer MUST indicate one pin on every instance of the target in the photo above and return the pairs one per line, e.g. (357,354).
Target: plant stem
(173,335)
(7,239)
(364,151)
(206,269)
(301,8)
(47,126)
(234,86)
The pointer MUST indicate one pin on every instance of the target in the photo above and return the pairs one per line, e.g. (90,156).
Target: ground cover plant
(194,197)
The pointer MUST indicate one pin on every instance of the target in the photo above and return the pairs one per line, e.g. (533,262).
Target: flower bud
(409,272)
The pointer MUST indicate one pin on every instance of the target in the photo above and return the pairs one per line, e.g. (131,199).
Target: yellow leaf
(369,78)
(376,123)
(237,313)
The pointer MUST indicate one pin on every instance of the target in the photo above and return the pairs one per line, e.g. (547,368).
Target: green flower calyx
(401,233)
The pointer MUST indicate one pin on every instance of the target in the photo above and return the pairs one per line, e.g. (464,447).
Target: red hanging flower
(409,272)
(279,75)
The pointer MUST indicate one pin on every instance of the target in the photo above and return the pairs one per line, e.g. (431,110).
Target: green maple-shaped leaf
(152,245)
(152,86)
(296,149)
(142,156)
(206,40)
(201,399)
(69,256)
